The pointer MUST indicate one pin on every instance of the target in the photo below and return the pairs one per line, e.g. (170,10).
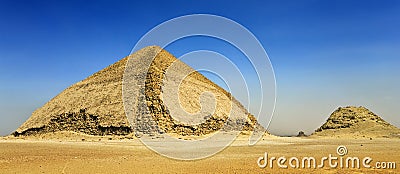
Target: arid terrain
(90,127)
(131,156)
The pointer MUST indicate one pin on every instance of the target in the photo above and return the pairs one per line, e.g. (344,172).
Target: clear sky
(325,54)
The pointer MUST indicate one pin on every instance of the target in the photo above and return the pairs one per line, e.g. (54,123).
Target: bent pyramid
(356,122)
(94,106)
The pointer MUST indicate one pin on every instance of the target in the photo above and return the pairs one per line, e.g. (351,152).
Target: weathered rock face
(94,106)
(78,122)
(356,122)
(190,89)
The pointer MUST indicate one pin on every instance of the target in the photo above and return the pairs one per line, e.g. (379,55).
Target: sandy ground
(130,156)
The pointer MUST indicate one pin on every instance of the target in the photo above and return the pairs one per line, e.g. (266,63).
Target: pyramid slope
(99,94)
(356,122)
(94,105)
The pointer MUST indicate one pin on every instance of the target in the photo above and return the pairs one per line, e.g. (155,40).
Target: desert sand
(131,156)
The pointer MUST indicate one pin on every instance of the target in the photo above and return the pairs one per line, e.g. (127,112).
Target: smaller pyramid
(356,122)
(301,134)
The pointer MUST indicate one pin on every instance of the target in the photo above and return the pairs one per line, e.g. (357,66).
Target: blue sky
(325,53)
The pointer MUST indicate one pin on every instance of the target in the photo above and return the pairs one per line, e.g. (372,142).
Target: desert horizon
(93,133)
